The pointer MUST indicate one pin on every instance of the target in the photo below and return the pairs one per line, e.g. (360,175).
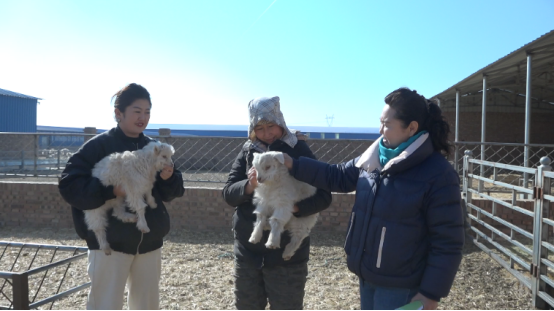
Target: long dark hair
(411,106)
(127,95)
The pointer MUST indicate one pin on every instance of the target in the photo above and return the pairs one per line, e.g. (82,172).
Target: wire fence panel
(35,276)
(200,159)
(40,155)
(505,153)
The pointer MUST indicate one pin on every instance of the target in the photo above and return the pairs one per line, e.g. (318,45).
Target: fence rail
(200,159)
(518,234)
(37,274)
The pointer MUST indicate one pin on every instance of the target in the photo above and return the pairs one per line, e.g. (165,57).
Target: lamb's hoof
(145,230)
(130,218)
(253,241)
(108,251)
(286,258)
(271,245)
(153,205)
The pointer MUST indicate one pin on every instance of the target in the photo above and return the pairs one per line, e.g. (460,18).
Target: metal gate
(34,275)
(510,212)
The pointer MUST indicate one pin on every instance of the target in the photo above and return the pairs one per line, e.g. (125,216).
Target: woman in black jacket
(136,256)
(261,274)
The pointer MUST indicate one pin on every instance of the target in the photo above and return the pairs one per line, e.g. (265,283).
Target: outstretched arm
(341,177)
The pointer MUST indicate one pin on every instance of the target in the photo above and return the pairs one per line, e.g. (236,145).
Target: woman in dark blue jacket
(406,233)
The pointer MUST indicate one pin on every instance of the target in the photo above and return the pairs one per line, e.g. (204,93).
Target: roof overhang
(509,74)
(14,94)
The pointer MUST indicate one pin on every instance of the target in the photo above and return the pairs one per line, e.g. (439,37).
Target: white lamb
(135,172)
(275,196)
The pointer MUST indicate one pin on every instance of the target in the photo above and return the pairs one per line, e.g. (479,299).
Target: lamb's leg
(97,221)
(150,200)
(120,213)
(274,239)
(141,223)
(295,241)
(277,222)
(257,233)
(299,229)
(136,203)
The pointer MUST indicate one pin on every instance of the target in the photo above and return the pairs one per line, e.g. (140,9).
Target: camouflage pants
(282,286)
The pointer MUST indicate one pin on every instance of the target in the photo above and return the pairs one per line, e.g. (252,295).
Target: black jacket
(84,192)
(244,218)
(407,226)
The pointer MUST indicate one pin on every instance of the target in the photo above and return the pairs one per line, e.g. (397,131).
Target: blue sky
(203,61)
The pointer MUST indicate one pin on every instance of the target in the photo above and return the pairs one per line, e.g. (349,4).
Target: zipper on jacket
(380,253)
(141,234)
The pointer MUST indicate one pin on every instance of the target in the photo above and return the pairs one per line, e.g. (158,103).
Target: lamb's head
(160,153)
(270,166)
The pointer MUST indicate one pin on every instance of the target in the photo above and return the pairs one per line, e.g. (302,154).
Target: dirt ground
(197,273)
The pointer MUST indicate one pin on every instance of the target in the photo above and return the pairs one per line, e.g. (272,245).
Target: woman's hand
(288,161)
(252,181)
(166,172)
(428,304)
(119,192)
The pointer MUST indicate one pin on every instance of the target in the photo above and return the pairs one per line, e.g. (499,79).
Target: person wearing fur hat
(261,274)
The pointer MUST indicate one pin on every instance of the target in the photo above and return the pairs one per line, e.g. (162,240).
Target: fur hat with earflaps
(269,109)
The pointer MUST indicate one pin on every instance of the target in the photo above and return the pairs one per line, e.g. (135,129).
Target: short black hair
(127,95)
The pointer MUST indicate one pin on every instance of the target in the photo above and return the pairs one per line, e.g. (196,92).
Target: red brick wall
(40,205)
(502,127)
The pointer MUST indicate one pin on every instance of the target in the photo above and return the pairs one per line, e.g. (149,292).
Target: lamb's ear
(157,149)
(280,157)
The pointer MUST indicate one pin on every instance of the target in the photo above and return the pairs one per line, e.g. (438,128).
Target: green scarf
(386,154)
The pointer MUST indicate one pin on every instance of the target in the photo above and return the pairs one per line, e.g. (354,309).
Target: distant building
(18,112)
(178,130)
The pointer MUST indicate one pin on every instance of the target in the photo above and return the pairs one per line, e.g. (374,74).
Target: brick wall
(40,205)
(502,127)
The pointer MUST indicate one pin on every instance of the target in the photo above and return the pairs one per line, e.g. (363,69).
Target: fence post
(89,130)
(164,133)
(540,234)
(456,159)
(35,138)
(467,181)
(22,167)
(20,291)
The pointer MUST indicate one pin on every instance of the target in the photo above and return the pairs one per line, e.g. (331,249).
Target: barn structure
(18,112)
(504,111)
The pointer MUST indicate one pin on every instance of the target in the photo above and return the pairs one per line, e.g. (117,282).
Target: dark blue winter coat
(406,227)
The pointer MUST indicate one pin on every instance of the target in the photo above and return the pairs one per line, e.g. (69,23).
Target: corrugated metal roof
(14,94)
(508,70)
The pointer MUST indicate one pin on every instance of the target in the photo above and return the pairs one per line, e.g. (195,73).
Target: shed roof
(509,72)
(14,94)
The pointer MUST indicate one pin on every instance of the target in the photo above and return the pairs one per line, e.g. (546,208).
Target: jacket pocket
(348,240)
(380,251)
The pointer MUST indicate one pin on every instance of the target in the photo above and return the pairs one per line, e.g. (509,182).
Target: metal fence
(35,275)
(517,234)
(200,159)
(511,154)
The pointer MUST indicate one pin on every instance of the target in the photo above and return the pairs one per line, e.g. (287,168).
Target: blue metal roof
(14,94)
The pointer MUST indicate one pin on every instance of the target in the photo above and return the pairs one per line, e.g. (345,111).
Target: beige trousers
(109,274)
